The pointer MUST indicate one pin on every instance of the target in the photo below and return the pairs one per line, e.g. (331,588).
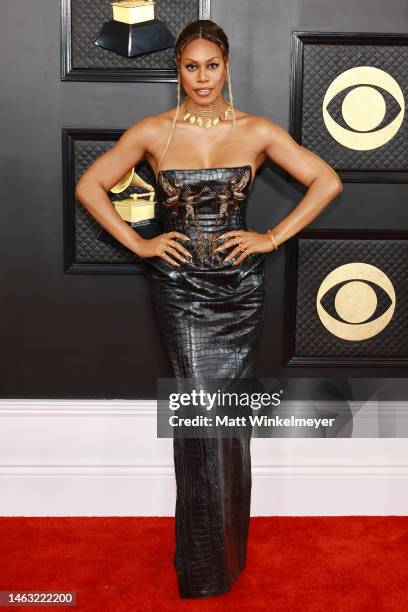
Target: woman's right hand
(166,247)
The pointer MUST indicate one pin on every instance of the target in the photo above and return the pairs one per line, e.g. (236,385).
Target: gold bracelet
(272,237)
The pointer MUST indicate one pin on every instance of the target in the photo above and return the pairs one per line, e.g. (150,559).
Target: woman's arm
(91,189)
(322,181)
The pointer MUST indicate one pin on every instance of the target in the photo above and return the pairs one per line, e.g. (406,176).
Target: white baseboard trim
(102,458)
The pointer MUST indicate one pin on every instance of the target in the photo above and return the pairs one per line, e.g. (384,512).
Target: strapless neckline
(207,169)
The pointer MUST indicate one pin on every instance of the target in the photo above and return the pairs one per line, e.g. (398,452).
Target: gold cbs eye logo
(354,292)
(363,108)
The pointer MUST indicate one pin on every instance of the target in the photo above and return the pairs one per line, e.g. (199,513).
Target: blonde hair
(202,28)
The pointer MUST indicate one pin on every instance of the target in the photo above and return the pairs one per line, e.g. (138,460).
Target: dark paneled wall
(95,335)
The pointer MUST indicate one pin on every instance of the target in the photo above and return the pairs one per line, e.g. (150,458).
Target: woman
(207,274)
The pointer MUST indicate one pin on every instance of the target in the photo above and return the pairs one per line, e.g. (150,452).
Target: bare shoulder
(146,127)
(266,128)
(262,129)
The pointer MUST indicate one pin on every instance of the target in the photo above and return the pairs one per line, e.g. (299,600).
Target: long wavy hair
(209,30)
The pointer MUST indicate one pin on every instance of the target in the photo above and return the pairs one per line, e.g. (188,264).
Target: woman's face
(202,71)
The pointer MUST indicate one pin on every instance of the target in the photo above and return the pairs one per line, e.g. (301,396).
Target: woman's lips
(203,92)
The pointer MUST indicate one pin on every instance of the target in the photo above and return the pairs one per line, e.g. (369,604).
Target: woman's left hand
(245,243)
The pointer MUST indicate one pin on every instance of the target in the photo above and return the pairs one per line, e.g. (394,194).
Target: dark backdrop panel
(95,335)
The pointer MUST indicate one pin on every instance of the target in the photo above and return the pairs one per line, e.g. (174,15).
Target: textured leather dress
(210,315)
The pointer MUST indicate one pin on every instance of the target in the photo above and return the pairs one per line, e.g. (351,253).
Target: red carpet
(295,564)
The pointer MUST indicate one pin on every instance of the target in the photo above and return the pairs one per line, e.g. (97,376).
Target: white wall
(102,458)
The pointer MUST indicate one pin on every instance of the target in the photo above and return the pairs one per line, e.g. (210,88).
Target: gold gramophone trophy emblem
(134,30)
(138,210)
(139,206)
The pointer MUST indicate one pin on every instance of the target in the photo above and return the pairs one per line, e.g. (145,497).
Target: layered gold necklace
(206,116)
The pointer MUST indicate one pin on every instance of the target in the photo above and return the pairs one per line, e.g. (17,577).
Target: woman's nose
(202,75)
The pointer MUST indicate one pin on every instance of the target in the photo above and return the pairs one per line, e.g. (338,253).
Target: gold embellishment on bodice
(173,194)
(229,196)
(237,189)
(189,199)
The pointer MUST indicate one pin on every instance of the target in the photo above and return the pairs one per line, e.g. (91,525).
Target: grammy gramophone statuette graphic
(357,290)
(360,122)
(134,30)
(138,210)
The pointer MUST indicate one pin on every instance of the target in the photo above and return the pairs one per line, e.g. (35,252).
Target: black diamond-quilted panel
(88,16)
(322,64)
(316,259)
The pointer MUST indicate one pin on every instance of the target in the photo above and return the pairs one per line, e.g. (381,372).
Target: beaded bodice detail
(203,204)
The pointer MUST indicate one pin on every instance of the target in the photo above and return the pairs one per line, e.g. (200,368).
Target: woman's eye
(191,67)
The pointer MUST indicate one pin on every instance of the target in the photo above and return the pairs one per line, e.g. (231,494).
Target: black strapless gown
(210,316)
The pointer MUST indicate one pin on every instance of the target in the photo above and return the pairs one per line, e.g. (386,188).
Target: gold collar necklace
(206,116)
